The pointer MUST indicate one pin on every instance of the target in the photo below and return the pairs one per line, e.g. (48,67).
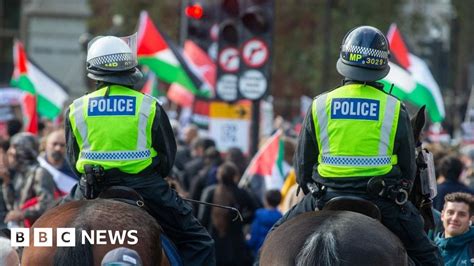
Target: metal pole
(255,128)
(327,46)
(183,31)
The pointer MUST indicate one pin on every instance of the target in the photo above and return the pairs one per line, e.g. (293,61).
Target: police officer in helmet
(119,136)
(357,135)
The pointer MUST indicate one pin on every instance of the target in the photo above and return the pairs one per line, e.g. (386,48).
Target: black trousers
(195,245)
(404,221)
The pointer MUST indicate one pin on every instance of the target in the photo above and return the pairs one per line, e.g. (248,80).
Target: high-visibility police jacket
(115,131)
(355,129)
(353,133)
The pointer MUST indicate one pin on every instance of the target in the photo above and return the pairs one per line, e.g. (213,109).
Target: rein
(237,212)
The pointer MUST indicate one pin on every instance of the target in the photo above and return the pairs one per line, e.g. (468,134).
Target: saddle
(353,204)
(123,194)
(130,196)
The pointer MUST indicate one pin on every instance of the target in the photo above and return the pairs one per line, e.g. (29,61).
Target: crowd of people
(179,170)
(203,173)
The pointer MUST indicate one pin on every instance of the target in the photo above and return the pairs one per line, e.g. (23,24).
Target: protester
(264,219)
(54,160)
(183,153)
(207,176)
(192,167)
(55,152)
(14,126)
(119,136)
(291,198)
(450,169)
(227,231)
(236,156)
(28,188)
(339,150)
(4,144)
(457,241)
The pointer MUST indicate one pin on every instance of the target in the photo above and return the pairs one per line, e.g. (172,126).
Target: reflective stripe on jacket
(355,129)
(114,131)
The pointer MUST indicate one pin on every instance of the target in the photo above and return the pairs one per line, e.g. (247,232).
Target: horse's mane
(101,214)
(320,249)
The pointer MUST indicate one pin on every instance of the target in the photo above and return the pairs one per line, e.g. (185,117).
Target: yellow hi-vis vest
(114,131)
(355,129)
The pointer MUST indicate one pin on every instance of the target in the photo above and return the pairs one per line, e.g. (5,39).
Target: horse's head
(421,201)
(417,123)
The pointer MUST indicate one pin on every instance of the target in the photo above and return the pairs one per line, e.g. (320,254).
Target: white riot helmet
(113,59)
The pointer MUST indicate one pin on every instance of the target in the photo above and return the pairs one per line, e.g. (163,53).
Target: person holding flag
(357,135)
(117,135)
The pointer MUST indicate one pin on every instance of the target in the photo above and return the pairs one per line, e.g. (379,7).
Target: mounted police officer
(119,136)
(357,140)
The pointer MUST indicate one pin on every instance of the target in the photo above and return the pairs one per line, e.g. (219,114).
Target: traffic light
(256,39)
(228,55)
(194,11)
(200,16)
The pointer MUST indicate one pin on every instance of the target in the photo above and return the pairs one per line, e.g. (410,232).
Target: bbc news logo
(66,237)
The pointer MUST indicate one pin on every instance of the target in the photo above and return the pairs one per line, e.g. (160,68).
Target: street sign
(255,53)
(226,87)
(252,84)
(229,59)
(230,125)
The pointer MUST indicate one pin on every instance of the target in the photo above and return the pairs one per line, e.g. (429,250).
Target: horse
(340,237)
(96,214)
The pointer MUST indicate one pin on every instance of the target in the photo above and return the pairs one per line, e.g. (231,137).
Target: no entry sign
(255,53)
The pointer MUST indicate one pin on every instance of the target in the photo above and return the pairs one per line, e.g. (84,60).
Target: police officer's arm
(306,155)
(405,145)
(72,149)
(163,141)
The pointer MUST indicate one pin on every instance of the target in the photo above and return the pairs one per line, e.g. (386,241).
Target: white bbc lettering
(65,237)
(20,237)
(132,234)
(117,236)
(89,236)
(101,236)
(43,237)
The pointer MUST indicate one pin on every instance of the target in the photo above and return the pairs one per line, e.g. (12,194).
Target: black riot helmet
(364,54)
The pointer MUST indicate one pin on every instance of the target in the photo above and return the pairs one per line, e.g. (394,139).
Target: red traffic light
(194,11)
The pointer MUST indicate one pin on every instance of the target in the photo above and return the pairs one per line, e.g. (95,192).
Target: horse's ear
(418,122)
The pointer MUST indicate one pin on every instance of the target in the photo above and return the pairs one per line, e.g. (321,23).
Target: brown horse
(332,238)
(97,214)
(339,238)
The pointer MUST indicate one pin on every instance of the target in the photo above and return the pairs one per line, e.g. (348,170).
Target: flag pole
(255,127)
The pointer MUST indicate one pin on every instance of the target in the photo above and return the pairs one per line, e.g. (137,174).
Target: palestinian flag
(151,85)
(43,95)
(200,62)
(267,169)
(180,96)
(412,79)
(200,113)
(157,52)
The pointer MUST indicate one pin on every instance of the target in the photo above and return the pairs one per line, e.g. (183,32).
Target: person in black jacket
(228,233)
(451,168)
